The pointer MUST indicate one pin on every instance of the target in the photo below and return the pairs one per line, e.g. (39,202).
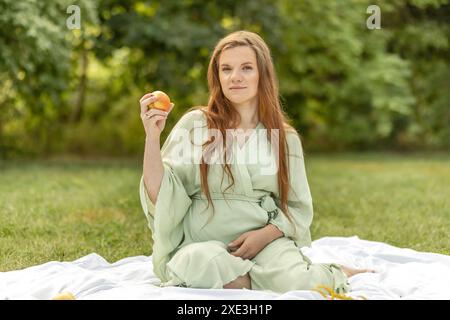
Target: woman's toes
(351,271)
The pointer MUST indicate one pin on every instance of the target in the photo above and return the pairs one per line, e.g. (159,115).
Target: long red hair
(221,114)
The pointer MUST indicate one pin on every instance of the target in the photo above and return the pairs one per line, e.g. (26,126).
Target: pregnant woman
(232,222)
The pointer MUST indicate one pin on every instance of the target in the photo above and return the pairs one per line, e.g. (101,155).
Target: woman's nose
(236,76)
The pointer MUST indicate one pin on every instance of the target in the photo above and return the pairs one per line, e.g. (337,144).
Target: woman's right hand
(154,120)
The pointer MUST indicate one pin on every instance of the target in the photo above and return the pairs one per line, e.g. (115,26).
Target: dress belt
(266,201)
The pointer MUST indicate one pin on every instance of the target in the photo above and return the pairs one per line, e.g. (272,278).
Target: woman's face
(238,74)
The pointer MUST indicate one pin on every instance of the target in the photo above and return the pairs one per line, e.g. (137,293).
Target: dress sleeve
(165,217)
(299,198)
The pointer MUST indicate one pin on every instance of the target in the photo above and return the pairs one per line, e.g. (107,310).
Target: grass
(64,209)
(401,200)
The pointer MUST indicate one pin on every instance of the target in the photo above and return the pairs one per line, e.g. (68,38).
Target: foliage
(343,85)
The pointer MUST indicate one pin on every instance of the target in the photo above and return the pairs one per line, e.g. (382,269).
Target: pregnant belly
(227,223)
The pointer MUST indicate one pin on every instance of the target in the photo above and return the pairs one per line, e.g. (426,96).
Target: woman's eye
(245,68)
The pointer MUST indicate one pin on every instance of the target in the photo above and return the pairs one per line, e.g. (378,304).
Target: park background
(371,105)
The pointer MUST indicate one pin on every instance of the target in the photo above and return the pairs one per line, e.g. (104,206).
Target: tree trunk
(2,155)
(77,113)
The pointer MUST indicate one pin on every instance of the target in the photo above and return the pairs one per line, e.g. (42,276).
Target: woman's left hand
(250,243)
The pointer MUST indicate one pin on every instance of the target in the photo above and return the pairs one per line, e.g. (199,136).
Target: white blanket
(401,274)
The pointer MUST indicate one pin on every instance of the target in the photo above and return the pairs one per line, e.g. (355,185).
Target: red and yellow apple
(162,102)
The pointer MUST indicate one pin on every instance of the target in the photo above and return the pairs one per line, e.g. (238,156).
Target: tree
(35,61)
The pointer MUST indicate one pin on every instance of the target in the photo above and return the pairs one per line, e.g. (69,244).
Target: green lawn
(64,209)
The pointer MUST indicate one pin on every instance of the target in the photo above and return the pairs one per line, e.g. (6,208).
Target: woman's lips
(237,88)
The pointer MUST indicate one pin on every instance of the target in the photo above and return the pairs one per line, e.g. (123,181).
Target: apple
(64,296)
(162,102)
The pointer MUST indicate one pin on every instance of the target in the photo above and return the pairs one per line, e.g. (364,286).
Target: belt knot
(268,204)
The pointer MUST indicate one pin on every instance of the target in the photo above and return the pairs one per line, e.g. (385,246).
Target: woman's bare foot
(240,282)
(350,272)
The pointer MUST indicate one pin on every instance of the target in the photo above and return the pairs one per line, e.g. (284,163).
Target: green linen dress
(190,244)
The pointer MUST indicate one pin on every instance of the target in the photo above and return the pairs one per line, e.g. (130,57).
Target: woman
(250,234)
